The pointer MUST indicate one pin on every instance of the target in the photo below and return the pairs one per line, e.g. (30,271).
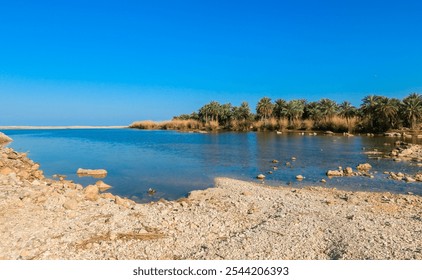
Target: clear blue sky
(114,62)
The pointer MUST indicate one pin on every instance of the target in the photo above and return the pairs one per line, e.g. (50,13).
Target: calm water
(175,163)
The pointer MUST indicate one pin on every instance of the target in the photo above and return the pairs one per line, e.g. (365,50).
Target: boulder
(334,173)
(123,202)
(102,186)
(108,196)
(91,192)
(364,167)
(260,176)
(38,174)
(348,171)
(6,170)
(92,172)
(409,179)
(71,204)
(299,177)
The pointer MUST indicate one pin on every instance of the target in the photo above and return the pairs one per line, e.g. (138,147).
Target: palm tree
(225,114)
(242,113)
(215,110)
(294,110)
(368,108)
(412,108)
(280,108)
(204,113)
(328,108)
(264,108)
(387,111)
(347,111)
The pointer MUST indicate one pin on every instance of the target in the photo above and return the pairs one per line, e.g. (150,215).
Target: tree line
(375,114)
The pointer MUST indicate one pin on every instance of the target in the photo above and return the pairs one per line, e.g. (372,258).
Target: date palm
(280,108)
(264,108)
(328,108)
(387,111)
(412,109)
(295,109)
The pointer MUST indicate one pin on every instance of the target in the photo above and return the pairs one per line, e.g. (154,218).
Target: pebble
(233,220)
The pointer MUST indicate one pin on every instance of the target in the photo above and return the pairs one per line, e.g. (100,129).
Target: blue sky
(114,62)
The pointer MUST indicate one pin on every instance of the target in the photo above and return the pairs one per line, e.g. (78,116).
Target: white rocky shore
(56,219)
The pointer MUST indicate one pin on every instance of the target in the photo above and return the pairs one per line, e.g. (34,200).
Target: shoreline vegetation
(376,114)
(46,218)
(61,127)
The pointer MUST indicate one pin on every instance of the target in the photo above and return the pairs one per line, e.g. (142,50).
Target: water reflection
(174,163)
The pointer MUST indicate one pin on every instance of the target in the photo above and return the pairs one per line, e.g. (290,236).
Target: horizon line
(62,126)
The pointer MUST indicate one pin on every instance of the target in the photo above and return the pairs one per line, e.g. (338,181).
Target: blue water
(174,163)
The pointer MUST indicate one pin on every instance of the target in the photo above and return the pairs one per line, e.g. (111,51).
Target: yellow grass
(173,124)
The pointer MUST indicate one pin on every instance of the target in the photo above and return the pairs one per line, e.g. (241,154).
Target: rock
(71,204)
(261,176)
(364,167)
(4,138)
(38,174)
(97,173)
(35,167)
(274,161)
(102,186)
(108,196)
(23,174)
(392,134)
(329,132)
(91,192)
(409,179)
(293,158)
(348,171)
(334,173)
(6,170)
(323,181)
(299,177)
(151,191)
(123,202)
(418,177)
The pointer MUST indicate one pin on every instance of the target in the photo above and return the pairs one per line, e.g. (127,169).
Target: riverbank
(62,127)
(42,218)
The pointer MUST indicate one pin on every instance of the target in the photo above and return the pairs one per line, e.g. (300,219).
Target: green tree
(280,108)
(242,113)
(328,108)
(412,109)
(347,111)
(387,112)
(264,108)
(294,110)
(368,109)
(225,114)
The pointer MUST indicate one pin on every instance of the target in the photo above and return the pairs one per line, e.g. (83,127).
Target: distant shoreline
(61,127)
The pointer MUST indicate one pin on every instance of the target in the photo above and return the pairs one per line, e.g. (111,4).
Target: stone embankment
(42,218)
